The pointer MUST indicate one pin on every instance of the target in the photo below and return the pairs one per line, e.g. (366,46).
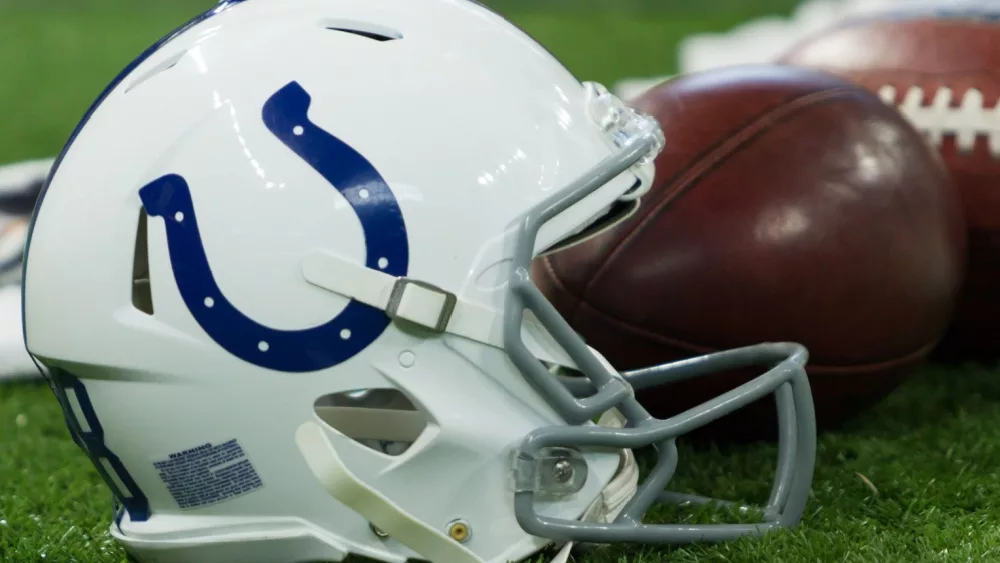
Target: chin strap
(327,466)
(372,505)
(438,311)
(422,304)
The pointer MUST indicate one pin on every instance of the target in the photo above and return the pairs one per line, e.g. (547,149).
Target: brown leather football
(788,205)
(942,71)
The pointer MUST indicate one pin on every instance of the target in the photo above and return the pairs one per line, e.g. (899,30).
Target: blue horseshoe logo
(311,349)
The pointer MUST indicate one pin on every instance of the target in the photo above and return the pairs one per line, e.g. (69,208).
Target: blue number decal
(346,170)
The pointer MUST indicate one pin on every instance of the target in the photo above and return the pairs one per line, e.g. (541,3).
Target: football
(941,69)
(788,205)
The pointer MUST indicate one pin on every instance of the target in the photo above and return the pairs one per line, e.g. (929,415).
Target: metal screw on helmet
(459,531)
(562,471)
(553,472)
(378,533)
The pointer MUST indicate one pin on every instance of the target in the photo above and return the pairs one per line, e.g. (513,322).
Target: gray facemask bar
(582,399)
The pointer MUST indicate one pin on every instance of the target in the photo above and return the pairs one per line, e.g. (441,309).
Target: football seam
(696,349)
(685,179)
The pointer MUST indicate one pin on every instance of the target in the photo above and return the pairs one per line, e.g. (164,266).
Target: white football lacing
(967,121)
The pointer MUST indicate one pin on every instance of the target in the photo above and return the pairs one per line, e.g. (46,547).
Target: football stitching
(967,121)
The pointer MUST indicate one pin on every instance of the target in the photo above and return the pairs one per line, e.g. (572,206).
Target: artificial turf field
(914,480)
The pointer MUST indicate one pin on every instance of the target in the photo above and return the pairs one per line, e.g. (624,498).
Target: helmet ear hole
(384,420)
(142,292)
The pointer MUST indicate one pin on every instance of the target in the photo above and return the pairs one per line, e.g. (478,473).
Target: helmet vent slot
(363,29)
(383,420)
(142,294)
(160,68)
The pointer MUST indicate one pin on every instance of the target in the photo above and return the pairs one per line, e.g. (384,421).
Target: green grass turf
(931,451)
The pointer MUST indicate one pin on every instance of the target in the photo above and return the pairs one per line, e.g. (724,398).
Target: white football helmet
(279,281)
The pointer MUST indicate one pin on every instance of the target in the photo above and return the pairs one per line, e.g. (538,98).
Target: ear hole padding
(383,420)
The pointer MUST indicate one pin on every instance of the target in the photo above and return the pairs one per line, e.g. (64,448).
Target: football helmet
(279,282)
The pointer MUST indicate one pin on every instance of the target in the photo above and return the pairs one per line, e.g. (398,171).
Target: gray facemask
(548,457)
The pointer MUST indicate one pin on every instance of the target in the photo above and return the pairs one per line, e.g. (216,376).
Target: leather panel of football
(943,74)
(788,205)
